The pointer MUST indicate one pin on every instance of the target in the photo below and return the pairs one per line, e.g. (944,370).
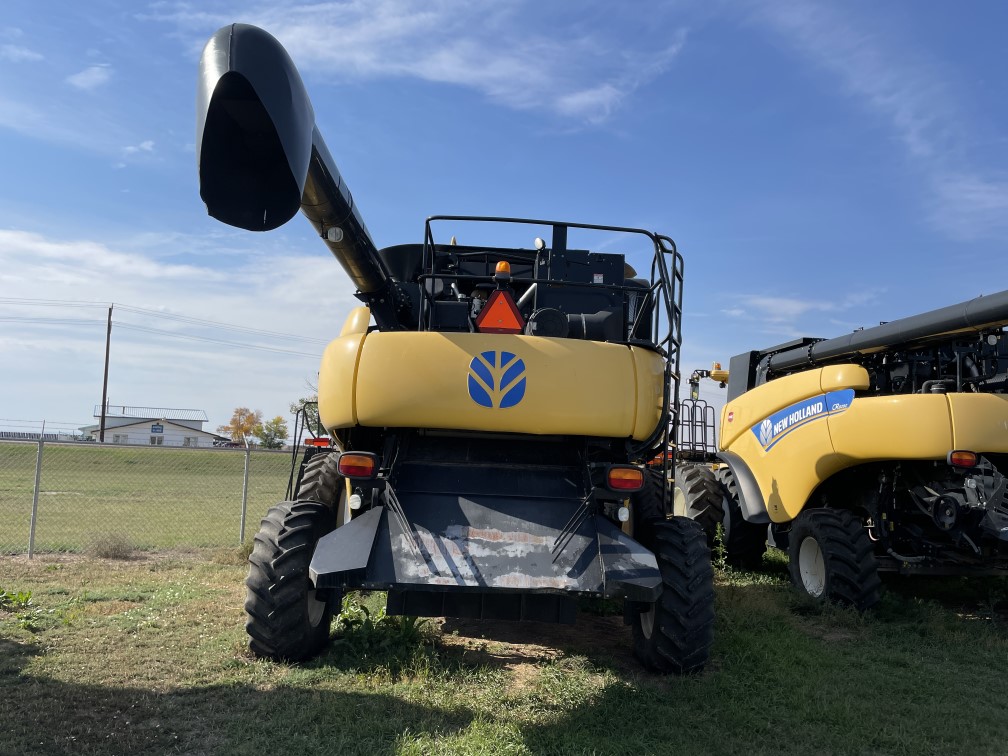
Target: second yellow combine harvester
(881,450)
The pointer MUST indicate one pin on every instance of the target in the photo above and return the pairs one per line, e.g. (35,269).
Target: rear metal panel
(485,543)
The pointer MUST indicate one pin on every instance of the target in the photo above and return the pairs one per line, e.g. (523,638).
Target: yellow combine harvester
(879,450)
(491,406)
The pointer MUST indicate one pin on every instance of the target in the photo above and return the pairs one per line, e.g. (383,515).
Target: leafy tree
(272,433)
(242,425)
(310,404)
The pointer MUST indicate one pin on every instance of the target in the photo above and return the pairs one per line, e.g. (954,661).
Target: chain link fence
(77,497)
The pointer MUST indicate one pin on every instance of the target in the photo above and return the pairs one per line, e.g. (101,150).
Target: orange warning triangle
(500,315)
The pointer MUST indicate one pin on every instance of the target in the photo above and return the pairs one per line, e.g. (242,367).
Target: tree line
(246,424)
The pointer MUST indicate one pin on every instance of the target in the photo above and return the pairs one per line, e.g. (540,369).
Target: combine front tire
(832,558)
(674,634)
(286,618)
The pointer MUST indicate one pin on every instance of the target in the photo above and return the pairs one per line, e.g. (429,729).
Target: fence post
(241,529)
(38,478)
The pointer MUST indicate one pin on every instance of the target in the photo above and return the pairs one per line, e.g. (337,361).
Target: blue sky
(822,166)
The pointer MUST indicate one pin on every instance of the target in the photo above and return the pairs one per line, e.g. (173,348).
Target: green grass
(149,656)
(152,498)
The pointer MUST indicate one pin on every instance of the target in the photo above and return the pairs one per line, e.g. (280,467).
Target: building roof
(151,413)
(146,421)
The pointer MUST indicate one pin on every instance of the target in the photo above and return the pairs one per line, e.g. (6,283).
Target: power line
(217,324)
(133,327)
(151,313)
(50,321)
(50,302)
(143,329)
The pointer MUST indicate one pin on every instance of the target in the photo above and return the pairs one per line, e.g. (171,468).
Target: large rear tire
(744,542)
(711,499)
(674,634)
(698,496)
(320,479)
(286,618)
(832,558)
(648,508)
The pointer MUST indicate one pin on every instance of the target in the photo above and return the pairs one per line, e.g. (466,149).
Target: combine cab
(491,407)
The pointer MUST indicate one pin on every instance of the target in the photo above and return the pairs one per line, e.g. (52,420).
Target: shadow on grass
(967,598)
(234,719)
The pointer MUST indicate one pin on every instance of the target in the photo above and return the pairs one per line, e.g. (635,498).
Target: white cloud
(914,93)
(169,363)
(145,146)
(18,54)
(495,50)
(790,317)
(29,120)
(91,77)
(971,206)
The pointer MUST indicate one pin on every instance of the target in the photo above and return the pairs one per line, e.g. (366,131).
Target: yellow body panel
(357,321)
(649,377)
(421,380)
(911,426)
(337,408)
(753,406)
(794,432)
(979,422)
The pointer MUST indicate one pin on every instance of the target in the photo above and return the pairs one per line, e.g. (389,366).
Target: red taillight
(317,442)
(960,458)
(627,479)
(357,465)
(500,315)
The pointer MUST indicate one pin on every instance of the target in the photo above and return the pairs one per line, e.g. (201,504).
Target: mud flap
(482,543)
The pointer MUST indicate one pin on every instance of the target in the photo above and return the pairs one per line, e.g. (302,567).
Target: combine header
(491,425)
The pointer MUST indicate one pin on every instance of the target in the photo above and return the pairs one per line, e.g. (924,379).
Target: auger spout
(261,158)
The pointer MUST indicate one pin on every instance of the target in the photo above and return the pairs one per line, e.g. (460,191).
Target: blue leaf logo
(496,379)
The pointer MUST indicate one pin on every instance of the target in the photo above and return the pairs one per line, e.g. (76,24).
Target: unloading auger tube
(261,158)
(974,315)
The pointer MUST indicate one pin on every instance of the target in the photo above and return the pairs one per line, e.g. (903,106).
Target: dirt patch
(523,677)
(520,646)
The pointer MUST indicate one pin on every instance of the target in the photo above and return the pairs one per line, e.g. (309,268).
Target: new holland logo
(496,379)
(782,423)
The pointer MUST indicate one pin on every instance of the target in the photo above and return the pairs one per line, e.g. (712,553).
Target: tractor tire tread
(320,480)
(744,542)
(703,497)
(278,585)
(848,553)
(684,612)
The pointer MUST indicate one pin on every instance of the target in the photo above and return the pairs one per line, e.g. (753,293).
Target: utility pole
(104,389)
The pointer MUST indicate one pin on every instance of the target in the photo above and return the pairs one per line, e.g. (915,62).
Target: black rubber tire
(674,634)
(285,619)
(320,479)
(847,572)
(744,542)
(699,496)
(648,509)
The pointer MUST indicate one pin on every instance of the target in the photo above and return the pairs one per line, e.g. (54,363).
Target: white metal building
(156,426)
